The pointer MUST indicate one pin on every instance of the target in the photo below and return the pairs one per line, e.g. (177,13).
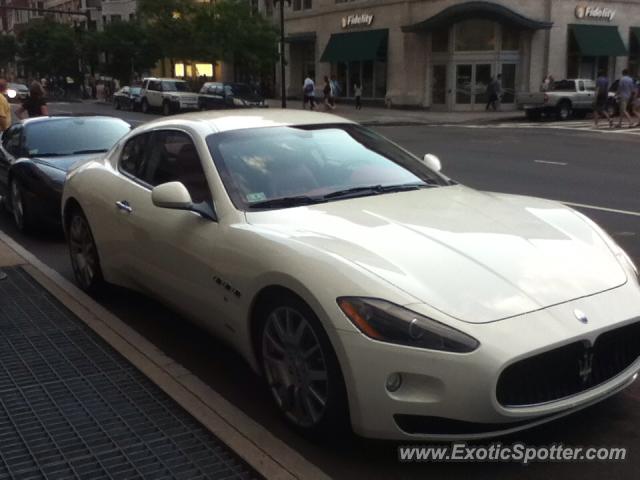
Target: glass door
(481,80)
(472,81)
(464,84)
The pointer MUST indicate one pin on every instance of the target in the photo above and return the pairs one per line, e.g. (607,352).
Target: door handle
(124,206)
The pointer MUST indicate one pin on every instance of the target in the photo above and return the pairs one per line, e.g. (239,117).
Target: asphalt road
(587,168)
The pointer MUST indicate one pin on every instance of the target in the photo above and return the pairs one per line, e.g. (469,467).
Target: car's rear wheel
(117,105)
(564,111)
(84,253)
(20,208)
(301,368)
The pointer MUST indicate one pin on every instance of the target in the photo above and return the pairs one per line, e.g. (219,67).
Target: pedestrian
(602,99)
(309,93)
(357,90)
(336,91)
(635,104)
(626,88)
(328,105)
(35,105)
(5,108)
(494,91)
(546,84)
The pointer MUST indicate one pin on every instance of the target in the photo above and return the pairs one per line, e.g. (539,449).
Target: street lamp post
(283,86)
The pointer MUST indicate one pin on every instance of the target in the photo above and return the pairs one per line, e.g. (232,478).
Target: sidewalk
(378,116)
(82,395)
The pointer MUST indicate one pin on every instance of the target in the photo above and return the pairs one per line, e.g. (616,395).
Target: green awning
(636,31)
(598,40)
(355,46)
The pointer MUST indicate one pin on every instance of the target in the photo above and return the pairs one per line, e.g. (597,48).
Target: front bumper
(447,396)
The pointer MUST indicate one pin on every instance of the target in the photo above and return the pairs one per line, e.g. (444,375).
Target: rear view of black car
(218,95)
(37,154)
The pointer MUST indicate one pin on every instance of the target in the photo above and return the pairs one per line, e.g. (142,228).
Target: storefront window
(372,76)
(380,70)
(475,35)
(367,79)
(439,85)
(510,38)
(634,54)
(440,40)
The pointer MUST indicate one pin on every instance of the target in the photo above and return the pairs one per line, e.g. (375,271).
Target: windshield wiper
(97,150)
(285,202)
(43,155)
(375,190)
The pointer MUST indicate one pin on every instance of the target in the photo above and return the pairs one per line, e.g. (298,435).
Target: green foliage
(8,49)
(48,47)
(128,47)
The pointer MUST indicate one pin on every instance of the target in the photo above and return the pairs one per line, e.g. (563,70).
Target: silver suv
(170,95)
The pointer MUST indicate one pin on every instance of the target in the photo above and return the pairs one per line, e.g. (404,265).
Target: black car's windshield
(280,167)
(241,90)
(69,136)
(175,86)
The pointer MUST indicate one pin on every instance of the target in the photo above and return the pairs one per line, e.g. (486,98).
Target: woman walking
(35,105)
(328,100)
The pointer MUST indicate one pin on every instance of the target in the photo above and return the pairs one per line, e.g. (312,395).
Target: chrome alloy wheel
(84,256)
(17,205)
(295,366)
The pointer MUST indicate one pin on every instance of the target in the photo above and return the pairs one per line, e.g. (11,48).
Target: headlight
(387,322)
(11,93)
(174,98)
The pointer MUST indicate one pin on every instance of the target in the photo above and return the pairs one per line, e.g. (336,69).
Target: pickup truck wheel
(533,114)
(144,107)
(564,111)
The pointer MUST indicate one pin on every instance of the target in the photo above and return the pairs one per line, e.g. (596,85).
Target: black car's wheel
(564,111)
(166,109)
(301,368)
(144,106)
(20,208)
(117,105)
(84,253)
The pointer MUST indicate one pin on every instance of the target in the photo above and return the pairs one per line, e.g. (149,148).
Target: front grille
(569,370)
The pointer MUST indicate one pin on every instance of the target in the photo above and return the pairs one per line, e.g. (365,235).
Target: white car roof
(228,120)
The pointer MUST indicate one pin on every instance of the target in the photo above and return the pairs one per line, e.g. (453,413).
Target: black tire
(166,108)
(21,209)
(334,418)
(564,111)
(533,115)
(117,105)
(83,252)
(144,106)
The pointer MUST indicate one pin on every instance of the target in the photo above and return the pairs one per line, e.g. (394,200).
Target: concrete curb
(267,454)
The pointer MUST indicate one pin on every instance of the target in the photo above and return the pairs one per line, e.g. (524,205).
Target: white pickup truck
(564,99)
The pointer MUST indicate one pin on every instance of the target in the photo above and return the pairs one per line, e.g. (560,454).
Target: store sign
(584,12)
(357,20)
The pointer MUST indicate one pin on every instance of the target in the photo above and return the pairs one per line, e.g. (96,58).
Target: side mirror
(173,195)
(432,162)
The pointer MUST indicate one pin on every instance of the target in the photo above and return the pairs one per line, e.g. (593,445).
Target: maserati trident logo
(585,366)
(581,316)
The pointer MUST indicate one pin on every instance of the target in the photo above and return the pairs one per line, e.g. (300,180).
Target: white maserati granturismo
(366,287)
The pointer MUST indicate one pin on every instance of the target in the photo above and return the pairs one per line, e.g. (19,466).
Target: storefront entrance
(471,86)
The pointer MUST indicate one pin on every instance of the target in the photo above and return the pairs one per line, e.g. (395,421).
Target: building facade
(441,54)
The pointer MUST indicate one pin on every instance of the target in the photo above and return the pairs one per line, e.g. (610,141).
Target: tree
(129,47)
(47,47)
(8,49)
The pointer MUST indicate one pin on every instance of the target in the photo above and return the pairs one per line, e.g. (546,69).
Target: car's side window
(172,157)
(11,140)
(133,156)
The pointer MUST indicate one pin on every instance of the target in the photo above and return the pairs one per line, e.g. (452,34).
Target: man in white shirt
(309,93)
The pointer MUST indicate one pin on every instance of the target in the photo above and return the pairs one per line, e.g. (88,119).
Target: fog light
(394,382)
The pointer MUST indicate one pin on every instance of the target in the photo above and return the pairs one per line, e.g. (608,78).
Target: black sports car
(36,155)
(216,95)
(128,98)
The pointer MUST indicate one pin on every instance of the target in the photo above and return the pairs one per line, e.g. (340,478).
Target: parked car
(215,95)
(17,92)
(128,98)
(170,95)
(362,283)
(36,155)
(565,99)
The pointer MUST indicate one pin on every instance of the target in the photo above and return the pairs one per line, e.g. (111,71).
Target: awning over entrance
(479,10)
(598,40)
(356,46)
(301,37)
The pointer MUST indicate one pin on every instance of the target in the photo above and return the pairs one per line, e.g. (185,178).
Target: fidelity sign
(584,12)
(357,19)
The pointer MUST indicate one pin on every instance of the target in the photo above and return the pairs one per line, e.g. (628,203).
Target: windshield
(135,90)
(68,136)
(326,162)
(175,87)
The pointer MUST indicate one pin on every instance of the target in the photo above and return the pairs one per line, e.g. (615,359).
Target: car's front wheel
(20,208)
(301,368)
(166,109)
(84,253)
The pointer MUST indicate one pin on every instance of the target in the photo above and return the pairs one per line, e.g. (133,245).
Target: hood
(474,256)
(66,163)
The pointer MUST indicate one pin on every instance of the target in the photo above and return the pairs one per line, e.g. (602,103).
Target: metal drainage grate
(72,407)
